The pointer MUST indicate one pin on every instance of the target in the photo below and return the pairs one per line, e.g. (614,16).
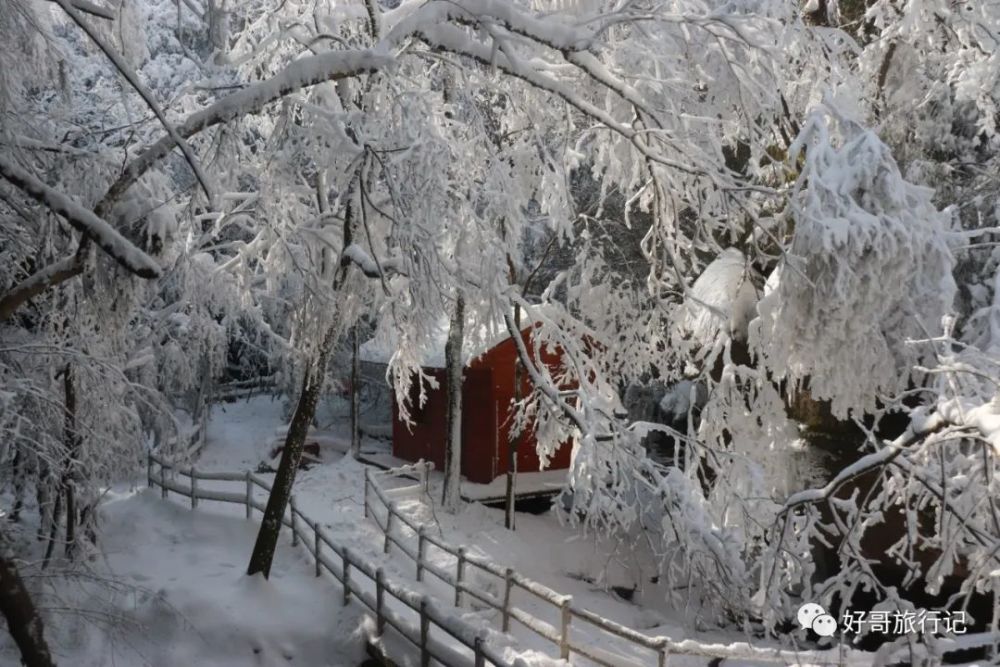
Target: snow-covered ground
(172,590)
(240,435)
(182,598)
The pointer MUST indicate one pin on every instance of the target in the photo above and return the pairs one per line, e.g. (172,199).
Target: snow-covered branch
(144,93)
(93,9)
(308,71)
(38,282)
(97,229)
(878,459)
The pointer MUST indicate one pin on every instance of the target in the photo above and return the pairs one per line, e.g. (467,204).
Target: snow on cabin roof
(480,337)
(722,300)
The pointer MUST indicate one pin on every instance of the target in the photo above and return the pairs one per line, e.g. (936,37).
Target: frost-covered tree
(813,186)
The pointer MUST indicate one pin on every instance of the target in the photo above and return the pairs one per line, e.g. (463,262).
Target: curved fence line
(402,531)
(351,571)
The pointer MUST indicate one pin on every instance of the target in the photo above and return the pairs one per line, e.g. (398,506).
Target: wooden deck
(529,485)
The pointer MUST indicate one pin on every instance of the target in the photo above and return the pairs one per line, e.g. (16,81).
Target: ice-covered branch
(884,456)
(300,74)
(456,41)
(144,93)
(551,393)
(92,9)
(38,282)
(105,236)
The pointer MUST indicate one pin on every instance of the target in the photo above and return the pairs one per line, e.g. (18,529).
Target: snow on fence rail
(658,648)
(307,532)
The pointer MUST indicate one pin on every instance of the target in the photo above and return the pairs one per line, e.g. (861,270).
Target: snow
(184,597)
(480,337)
(124,252)
(677,401)
(240,434)
(184,571)
(304,72)
(360,256)
(722,300)
(984,418)
(526,484)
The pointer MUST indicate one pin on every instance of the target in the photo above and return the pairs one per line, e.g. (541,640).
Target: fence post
(388,525)
(379,595)
(564,633)
(163,480)
(294,521)
(425,628)
(367,483)
(480,657)
(317,546)
(149,469)
(459,576)
(421,547)
(662,654)
(508,585)
(249,498)
(345,570)
(194,488)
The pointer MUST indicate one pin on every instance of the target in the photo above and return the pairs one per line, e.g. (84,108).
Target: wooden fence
(584,637)
(348,567)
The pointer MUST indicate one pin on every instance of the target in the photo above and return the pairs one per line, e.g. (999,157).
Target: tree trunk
(508,516)
(355,395)
(515,441)
(451,496)
(277,501)
(53,529)
(72,440)
(23,621)
(19,475)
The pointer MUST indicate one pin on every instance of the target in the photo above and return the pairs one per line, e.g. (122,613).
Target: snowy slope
(184,599)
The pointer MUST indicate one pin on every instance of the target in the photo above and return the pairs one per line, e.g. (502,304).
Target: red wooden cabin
(487,395)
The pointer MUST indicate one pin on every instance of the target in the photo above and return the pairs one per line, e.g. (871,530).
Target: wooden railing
(348,567)
(583,638)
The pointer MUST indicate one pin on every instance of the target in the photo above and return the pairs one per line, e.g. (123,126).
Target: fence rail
(561,635)
(342,563)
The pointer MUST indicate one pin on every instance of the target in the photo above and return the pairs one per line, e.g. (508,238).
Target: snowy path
(183,597)
(540,549)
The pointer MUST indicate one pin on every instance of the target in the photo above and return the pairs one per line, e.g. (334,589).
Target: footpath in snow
(180,596)
(541,549)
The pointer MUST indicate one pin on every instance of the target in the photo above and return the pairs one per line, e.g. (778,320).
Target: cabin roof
(480,337)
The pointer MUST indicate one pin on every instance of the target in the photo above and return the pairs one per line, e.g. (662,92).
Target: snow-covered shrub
(868,268)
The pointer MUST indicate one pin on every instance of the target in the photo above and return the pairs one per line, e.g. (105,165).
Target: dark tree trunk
(53,529)
(20,475)
(291,455)
(355,394)
(72,439)
(305,412)
(23,621)
(453,370)
(515,441)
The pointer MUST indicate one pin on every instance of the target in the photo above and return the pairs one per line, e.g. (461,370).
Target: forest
(729,268)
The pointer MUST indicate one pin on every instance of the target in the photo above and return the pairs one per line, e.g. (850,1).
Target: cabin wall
(426,438)
(502,359)
(487,396)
